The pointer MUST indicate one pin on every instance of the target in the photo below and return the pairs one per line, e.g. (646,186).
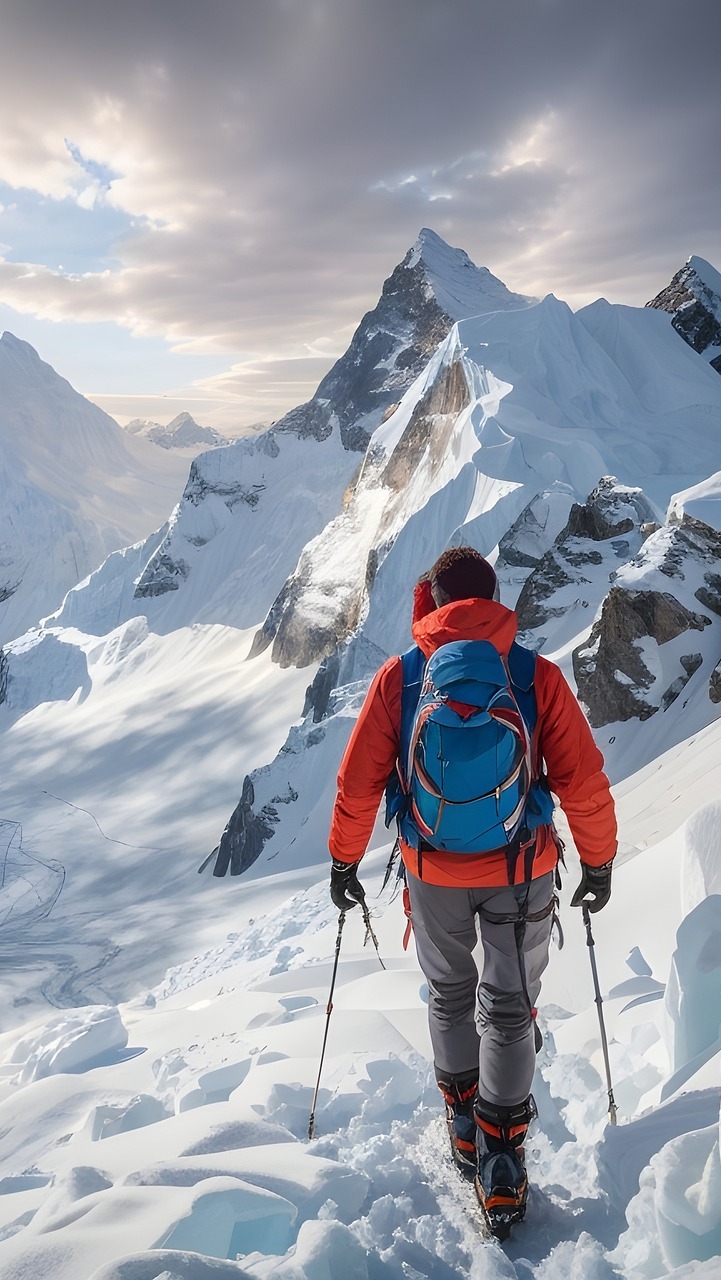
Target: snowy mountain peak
(707,274)
(20,361)
(460,288)
(693,299)
(432,288)
(9,341)
(436,253)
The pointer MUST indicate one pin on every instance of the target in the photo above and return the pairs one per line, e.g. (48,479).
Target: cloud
(271,163)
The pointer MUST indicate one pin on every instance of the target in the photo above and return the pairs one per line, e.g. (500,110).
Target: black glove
(595,881)
(345,887)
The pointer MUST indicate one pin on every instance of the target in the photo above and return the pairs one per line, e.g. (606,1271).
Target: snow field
(197,1145)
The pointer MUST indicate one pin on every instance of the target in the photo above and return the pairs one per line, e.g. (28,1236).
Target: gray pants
(484,1024)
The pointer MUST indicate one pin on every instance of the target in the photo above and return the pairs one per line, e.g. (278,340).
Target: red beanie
(461,574)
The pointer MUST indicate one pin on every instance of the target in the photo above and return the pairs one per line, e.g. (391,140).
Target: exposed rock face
(318,693)
(299,637)
(610,670)
(247,832)
(613,515)
(695,305)
(714,684)
(687,542)
(161,575)
(321,604)
(387,352)
(444,399)
(710,593)
(690,663)
(623,671)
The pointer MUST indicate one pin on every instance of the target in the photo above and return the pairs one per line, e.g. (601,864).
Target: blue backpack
(465,776)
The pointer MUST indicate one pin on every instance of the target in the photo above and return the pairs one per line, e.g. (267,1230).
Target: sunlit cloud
(234,182)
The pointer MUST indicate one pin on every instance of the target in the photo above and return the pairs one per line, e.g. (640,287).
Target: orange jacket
(573,762)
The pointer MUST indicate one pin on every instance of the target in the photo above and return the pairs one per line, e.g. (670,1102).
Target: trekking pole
(612,1108)
(328,1012)
(369,930)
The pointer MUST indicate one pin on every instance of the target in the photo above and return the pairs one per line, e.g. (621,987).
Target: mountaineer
(468,734)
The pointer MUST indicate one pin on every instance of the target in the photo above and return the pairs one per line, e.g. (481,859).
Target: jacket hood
(462,620)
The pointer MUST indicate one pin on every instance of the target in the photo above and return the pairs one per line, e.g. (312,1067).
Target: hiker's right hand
(345,887)
(595,885)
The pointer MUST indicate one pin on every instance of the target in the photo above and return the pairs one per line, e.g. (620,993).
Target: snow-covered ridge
(481,431)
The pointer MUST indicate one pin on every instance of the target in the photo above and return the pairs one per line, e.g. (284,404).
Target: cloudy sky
(199,200)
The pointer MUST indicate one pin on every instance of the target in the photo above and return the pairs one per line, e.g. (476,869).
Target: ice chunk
(324,1249)
(693,992)
(701,867)
(73,1041)
(688,1197)
(229,1217)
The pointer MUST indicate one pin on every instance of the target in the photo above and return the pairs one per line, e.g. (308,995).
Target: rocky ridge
(693,299)
(659,627)
(574,574)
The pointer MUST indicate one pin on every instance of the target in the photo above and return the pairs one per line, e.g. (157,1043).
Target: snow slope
(74,487)
(154,1121)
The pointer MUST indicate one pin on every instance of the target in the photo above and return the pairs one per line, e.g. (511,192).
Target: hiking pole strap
(612,1108)
(328,1012)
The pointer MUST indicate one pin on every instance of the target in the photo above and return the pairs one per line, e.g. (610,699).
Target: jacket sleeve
(367,764)
(574,766)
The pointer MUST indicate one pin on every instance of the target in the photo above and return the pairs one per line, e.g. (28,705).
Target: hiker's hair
(461,573)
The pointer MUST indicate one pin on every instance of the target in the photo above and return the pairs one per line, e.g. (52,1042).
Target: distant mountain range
(182,433)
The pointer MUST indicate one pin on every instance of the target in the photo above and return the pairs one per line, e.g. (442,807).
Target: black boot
(501,1182)
(460,1094)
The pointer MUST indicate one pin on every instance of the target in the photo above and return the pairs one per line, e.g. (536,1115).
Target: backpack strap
(522,670)
(413,664)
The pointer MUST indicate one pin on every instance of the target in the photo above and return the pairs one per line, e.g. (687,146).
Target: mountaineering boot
(460,1094)
(501,1182)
